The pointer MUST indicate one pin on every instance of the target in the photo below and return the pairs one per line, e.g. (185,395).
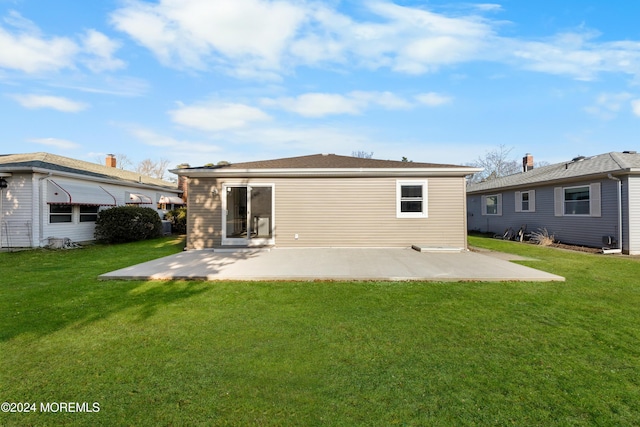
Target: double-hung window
(576,201)
(583,200)
(492,204)
(60,213)
(411,199)
(89,213)
(526,201)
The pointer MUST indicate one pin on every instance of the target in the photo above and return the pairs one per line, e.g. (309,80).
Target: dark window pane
(581,193)
(89,209)
(411,206)
(59,218)
(62,209)
(412,191)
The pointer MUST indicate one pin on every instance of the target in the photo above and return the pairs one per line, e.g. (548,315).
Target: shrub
(127,224)
(178,218)
(542,237)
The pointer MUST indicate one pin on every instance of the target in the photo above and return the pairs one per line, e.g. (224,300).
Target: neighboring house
(326,200)
(590,201)
(49,196)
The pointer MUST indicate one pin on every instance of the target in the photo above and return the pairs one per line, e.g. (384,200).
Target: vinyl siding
(580,230)
(631,223)
(16,218)
(326,212)
(204,214)
(84,231)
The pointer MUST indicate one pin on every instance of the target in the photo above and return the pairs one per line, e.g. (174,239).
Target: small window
(526,201)
(60,213)
(576,201)
(411,199)
(492,205)
(89,213)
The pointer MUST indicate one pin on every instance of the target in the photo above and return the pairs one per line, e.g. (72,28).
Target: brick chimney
(527,162)
(111,161)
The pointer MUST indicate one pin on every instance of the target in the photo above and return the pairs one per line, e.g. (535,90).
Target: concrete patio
(393,264)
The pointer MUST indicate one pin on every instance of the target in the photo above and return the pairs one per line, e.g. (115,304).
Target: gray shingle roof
(328,161)
(614,162)
(54,162)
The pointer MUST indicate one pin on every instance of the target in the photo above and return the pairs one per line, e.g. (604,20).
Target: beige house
(326,201)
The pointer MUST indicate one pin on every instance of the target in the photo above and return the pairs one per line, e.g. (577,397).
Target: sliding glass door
(247,215)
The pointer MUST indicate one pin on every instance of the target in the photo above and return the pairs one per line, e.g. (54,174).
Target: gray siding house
(591,201)
(326,201)
(45,196)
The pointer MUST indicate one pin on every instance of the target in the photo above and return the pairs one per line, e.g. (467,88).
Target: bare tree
(362,154)
(122,161)
(496,163)
(153,169)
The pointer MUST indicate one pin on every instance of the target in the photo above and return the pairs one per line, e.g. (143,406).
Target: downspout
(619,250)
(40,210)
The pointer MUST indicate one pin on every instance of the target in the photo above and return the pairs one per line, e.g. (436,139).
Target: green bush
(178,218)
(127,224)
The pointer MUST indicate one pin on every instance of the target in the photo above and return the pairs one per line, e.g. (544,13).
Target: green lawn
(319,353)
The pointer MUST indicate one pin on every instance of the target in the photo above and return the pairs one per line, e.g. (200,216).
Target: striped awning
(139,199)
(75,193)
(171,200)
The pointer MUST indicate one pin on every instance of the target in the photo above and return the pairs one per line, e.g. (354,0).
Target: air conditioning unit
(609,241)
(166,227)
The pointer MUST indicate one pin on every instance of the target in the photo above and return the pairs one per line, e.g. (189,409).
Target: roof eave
(115,181)
(325,172)
(547,182)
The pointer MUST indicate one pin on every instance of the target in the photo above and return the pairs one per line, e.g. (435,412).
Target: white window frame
(531,194)
(498,197)
(88,214)
(71,214)
(424,213)
(595,207)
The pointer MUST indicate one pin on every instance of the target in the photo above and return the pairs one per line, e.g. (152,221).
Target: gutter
(107,180)
(619,249)
(325,172)
(40,209)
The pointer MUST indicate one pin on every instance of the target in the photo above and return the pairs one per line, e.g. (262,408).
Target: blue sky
(200,81)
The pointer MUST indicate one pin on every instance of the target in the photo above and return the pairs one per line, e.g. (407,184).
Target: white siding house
(48,196)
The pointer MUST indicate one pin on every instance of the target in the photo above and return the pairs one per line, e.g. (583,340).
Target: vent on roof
(630,152)
(578,159)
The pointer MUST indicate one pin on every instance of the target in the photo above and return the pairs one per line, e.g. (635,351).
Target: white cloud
(607,105)
(217,116)
(154,139)
(55,142)
(102,49)
(23,47)
(578,55)
(29,51)
(355,102)
(635,106)
(433,99)
(192,32)
(265,39)
(317,104)
(54,102)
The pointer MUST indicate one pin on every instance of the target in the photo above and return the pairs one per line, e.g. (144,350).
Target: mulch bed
(577,248)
